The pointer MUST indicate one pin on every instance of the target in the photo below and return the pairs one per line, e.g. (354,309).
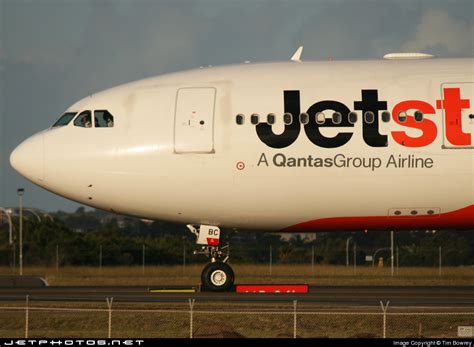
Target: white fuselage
(176,152)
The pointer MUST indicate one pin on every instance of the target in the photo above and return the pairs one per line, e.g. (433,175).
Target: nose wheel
(217,276)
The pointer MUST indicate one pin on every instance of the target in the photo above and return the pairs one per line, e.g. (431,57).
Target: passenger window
(239,119)
(369,117)
(254,118)
(83,120)
(271,118)
(352,117)
(320,118)
(64,119)
(287,118)
(304,118)
(385,116)
(336,118)
(402,116)
(418,116)
(103,119)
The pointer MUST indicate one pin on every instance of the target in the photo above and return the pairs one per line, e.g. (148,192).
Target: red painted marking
(212,242)
(428,127)
(272,288)
(458,219)
(240,165)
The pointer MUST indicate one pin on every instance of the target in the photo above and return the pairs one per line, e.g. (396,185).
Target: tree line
(77,238)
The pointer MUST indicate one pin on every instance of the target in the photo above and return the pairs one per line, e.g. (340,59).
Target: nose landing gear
(216,276)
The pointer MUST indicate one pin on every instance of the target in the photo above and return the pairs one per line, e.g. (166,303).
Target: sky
(53,53)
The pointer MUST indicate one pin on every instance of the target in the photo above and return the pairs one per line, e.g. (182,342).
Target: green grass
(141,320)
(245,273)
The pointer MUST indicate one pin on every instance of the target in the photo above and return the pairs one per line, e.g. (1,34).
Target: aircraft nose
(28,158)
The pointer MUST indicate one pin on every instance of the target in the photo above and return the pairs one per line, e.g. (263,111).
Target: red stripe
(272,288)
(458,219)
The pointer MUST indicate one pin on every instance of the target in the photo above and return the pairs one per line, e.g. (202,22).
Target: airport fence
(193,319)
(85,254)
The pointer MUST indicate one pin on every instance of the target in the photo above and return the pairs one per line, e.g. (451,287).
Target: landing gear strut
(216,276)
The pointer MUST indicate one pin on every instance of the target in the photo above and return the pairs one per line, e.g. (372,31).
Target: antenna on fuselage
(297,56)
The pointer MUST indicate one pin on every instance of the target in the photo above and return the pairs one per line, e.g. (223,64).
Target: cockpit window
(64,119)
(83,120)
(103,119)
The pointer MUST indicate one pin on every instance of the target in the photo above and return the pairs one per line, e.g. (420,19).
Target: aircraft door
(457,103)
(194,120)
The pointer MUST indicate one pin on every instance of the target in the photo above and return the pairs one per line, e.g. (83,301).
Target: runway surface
(452,296)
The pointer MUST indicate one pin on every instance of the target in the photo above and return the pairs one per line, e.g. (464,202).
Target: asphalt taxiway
(452,296)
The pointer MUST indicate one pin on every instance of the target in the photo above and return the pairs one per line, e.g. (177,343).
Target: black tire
(217,277)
